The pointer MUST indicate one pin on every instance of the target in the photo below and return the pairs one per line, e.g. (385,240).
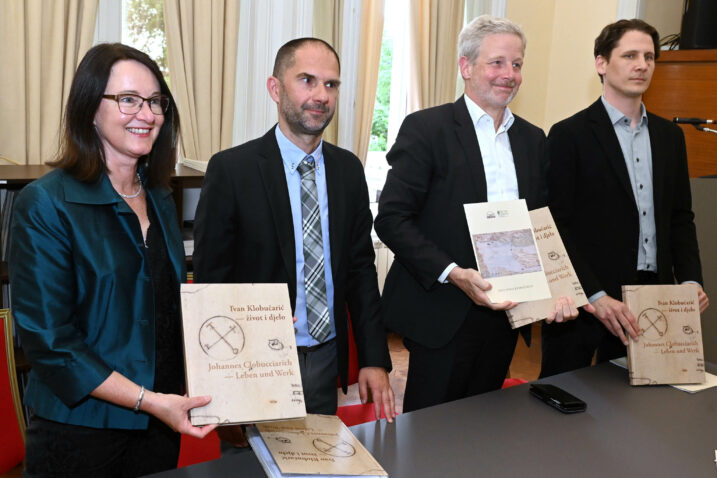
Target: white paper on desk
(710,379)
(505,250)
(620,362)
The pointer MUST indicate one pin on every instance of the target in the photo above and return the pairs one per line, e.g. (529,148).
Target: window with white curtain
(390,106)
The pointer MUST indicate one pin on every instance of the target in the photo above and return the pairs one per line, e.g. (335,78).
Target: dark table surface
(625,432)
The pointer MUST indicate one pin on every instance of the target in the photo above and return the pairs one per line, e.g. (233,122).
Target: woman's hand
(173,410)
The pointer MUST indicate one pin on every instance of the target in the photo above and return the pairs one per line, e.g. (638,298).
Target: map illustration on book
(506,253)
(505,250)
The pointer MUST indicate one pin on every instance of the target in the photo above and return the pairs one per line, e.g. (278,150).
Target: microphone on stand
(697,123)
(692,120)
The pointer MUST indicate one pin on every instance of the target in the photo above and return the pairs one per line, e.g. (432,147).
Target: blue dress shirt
(635,145)
(292,155)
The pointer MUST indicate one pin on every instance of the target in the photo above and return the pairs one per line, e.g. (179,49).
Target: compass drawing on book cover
(222,338)
(653,324)
(339,448)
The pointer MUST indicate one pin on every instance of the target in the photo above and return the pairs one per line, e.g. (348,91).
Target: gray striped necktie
(317,311)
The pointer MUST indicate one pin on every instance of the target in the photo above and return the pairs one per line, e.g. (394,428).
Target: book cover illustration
(240,348)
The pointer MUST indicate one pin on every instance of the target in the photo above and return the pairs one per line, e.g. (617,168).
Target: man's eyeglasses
(132,104)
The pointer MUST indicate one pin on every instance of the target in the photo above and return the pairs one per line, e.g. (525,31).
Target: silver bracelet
(139,399)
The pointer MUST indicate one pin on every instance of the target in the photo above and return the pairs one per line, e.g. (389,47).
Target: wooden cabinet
(685,84)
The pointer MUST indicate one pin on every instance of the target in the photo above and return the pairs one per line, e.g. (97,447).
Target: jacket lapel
(99,193)
(337,206)
(607,139)
(273,177)
(466,133)
(659,163)
(521,160)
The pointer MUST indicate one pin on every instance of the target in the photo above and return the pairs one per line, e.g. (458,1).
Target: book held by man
(562,279)
(669,349)
(240,348)
(317,445)
(506,254)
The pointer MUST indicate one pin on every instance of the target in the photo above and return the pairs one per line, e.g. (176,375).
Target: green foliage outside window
(379,127)
(145,27)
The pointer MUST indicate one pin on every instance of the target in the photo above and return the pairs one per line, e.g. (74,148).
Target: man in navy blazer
(248,227)
(473,150)
(620,195)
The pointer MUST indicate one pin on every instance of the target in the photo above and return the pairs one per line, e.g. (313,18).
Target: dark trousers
(60,450)
(571,345)
(319,369)
(476,360)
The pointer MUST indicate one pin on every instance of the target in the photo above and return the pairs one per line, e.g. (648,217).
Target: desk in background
(15,177)
(626,431)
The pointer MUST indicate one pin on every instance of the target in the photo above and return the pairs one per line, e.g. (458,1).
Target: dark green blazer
(82,295)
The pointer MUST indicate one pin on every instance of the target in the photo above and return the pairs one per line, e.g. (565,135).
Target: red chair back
(361,412)
(193,450)
(12,430)
(512,382)
(356,414)
(353,357)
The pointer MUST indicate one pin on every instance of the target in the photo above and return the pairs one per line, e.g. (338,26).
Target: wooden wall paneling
(685,84)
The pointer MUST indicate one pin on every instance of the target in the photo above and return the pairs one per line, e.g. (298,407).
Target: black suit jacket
(244,233)
(436,168)
(594,207)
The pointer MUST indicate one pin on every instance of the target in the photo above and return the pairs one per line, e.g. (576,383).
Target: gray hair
(472,35)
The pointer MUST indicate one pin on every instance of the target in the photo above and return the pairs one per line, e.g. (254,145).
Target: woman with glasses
(95,264)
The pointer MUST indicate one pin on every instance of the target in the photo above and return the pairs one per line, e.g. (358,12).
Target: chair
(512,382)
(352,376)
(361,412)
(194,450)
(12,432)
(357,414)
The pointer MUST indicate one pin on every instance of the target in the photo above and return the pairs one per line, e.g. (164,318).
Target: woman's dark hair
(81,152)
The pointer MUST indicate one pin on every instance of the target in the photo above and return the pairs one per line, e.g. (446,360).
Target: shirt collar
(477,113)
(292,155)
(616,116)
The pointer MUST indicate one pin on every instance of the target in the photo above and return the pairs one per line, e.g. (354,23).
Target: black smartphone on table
(557,398)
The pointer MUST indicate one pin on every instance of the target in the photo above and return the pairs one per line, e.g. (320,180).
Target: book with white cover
(504,245)
(240,349)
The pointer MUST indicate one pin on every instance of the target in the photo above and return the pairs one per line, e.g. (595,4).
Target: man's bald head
(285,57)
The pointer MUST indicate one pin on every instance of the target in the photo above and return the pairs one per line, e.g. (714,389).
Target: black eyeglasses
(132,104)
